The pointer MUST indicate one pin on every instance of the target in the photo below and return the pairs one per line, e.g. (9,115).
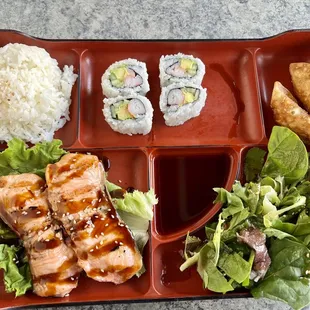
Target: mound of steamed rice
(34,93)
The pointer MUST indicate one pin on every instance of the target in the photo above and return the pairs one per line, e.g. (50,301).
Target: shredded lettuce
(18,158)
(17,278)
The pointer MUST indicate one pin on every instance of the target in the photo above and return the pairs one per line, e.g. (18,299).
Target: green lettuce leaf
(212,278)
(135,209)
(254,162)
(234,203)
(287,279)
(137,203)
(18,158)
(217,238)
(287,156)
(6,232)
(16,279)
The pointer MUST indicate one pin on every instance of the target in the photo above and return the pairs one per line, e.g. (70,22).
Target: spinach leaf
(254,162)
(287,156)
(234,203)
(213,279)
(286,279)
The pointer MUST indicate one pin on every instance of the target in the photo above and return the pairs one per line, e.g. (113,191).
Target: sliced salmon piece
(105,247)
(24,208)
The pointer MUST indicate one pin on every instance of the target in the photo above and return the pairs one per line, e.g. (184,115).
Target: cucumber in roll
(181,101)
(131,114)
(124,77)
(180,68)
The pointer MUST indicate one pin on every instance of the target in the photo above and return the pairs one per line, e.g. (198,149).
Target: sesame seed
(14,259)
(102,219)
(106,225)
(307,271)
(83,200)
(96,216)
(101,270)
(17,262)
(38,212)
(99,200)
(116,241)
(121,243)
(71,228)
(63,215)
(74,221)
(45,228)
(119,181)
(109,210)
(47,240)
(96,236)
(112,216)
(101,242)
(67,295)
(15,221)
(96,247)
(24,212)
(126,226)
(68,213)
(121,224)
(308,255)
(72,278)
(102,234)
(91,250)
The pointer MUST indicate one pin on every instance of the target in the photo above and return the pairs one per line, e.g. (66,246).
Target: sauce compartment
(184,181)
(65,56)
(231,114)
(273,60)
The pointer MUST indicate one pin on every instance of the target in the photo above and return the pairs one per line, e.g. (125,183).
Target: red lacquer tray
(183,163)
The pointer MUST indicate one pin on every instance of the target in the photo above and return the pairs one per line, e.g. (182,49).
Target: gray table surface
(158,19)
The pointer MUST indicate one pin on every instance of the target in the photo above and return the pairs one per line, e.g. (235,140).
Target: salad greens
(275,202)
(17,277)
(135,208)
(18,158)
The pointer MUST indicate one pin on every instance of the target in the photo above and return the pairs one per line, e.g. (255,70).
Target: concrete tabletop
(158,19)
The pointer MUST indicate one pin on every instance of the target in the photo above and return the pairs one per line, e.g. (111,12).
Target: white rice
(34,93)
(130,127)
(185,112)
(140,67)
(168,60)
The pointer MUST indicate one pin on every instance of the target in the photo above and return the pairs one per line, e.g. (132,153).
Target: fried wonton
(288,113)
(300,75)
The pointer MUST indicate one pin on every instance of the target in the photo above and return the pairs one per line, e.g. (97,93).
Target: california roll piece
(181,101)
(124,77)
(131,114)
(181,68)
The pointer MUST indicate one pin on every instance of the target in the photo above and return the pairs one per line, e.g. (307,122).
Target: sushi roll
(131,114)
(180,68)
(181,101)
(124,77)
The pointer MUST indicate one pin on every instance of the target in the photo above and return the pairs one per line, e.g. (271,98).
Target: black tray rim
(277,35)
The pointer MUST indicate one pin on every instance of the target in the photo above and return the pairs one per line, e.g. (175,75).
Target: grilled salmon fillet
(24,208)
(104,246)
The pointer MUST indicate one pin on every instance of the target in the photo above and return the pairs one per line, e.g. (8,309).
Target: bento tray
(182,163)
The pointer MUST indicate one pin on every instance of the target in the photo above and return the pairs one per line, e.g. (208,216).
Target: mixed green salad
(261,239)
(135,209)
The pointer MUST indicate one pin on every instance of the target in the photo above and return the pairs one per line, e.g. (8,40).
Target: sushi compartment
(182,163)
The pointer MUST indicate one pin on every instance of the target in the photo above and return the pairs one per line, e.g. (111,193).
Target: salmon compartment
(184,180)
(231,114)
(273,60)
